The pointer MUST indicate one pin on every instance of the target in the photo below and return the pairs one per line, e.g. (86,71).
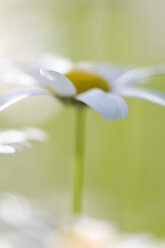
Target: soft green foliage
(125,160)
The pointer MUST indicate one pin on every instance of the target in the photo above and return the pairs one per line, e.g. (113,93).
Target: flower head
(11,140)
(24,223)
(99,86)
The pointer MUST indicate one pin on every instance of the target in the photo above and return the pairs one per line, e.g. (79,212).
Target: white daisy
(86,232)
(99,86)
(25,225)
(11,140)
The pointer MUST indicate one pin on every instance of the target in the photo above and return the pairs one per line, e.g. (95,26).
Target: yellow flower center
(84,81)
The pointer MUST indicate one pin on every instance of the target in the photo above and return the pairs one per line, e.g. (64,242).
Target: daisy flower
(87,232)
(24,223)
(11,140)
(99,86)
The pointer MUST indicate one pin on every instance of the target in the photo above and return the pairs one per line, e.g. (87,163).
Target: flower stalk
(78,181)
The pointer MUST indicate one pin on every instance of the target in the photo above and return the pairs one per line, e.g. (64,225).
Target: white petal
(13,136)
(35,134)
(15,96)
(146,94)
(106,70)
(7,149)
(138,75)
(54,63)
(17,78)
(12,139)
(61,85)
(109,105)
(15,74)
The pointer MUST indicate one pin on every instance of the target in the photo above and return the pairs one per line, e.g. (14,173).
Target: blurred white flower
(100,86)
(83,232)
(86,232)
(24,226)
(11,140)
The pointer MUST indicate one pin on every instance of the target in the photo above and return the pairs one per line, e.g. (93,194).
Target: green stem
(79,160)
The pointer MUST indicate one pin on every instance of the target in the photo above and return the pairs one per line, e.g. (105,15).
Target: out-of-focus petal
(15,210)
(37,134)
(59,83)
(109,105)
(54,63)
(146,94)
(106,70)
(7,149)
(12,139)
(15,96)
(13,136)
(138,75)
(15,74)
(17,77)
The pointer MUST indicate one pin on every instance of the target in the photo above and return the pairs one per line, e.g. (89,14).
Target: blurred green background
(125,160)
